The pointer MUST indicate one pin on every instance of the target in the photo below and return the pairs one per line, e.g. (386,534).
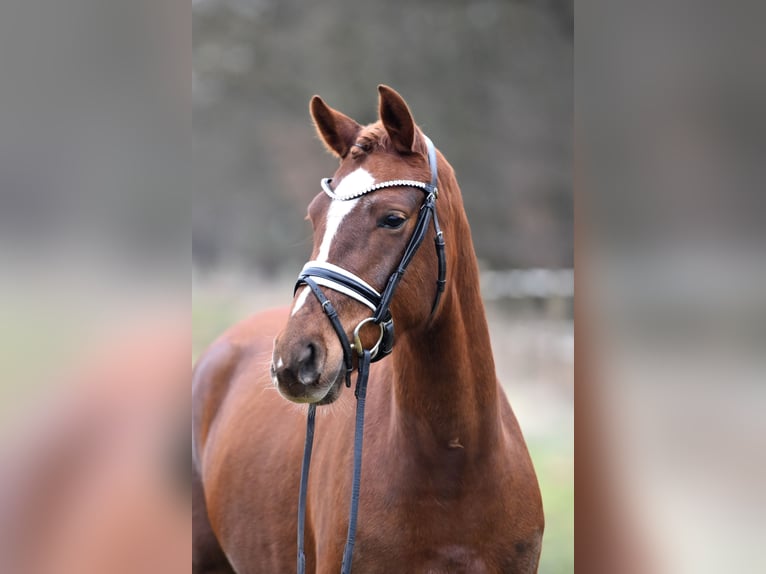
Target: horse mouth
(323,391)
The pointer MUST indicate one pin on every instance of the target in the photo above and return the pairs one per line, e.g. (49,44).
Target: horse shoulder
(238,455)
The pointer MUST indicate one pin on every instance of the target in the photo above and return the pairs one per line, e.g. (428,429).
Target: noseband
(319,273)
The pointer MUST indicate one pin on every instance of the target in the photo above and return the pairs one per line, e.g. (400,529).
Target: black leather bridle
(317,274)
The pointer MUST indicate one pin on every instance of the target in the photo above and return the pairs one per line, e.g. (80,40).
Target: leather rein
(317,274)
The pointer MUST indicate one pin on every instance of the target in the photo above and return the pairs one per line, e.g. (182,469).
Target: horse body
(447,482)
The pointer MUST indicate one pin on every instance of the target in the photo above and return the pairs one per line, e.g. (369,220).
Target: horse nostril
(307,355)
(308,371)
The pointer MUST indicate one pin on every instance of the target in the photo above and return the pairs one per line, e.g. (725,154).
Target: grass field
(534,357)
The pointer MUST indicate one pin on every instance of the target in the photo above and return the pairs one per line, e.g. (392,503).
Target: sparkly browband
(393,183)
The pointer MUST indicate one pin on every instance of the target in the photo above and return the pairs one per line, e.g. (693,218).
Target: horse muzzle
(304,372)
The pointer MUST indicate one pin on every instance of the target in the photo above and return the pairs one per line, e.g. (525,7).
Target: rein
(316,274)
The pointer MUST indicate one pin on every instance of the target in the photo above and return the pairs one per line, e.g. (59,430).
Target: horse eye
(392,221)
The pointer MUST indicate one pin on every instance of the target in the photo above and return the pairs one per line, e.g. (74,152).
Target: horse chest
(384,557)
(476,530)
(446,559)
(454,558)
(429,537)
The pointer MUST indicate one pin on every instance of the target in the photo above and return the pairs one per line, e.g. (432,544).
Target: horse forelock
(374,137)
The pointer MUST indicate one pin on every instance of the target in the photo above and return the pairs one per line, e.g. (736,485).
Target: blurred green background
(490,82)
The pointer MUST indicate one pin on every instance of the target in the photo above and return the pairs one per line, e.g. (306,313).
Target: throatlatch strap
(441,282)
(307,448)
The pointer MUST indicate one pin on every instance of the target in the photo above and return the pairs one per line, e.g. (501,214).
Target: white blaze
(353,182)
(301,300)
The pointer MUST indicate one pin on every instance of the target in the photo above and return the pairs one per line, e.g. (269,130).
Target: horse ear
(337,130)
(397,119)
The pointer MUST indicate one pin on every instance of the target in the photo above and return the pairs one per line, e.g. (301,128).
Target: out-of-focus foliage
(490,82)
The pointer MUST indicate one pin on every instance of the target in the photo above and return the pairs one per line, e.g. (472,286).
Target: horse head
(364,223)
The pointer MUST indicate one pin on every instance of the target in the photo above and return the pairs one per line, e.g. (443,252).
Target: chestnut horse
(447,482)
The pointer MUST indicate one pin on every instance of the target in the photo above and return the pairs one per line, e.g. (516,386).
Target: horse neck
(445,388)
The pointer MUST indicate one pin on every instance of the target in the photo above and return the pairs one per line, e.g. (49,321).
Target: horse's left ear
(397,119)
(337,130)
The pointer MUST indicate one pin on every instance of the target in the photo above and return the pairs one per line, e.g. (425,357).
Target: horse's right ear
(337,130)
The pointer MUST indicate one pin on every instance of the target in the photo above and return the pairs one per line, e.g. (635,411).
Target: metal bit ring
(357,344)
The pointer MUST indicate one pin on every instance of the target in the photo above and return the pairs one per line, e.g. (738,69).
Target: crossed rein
(316,274)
